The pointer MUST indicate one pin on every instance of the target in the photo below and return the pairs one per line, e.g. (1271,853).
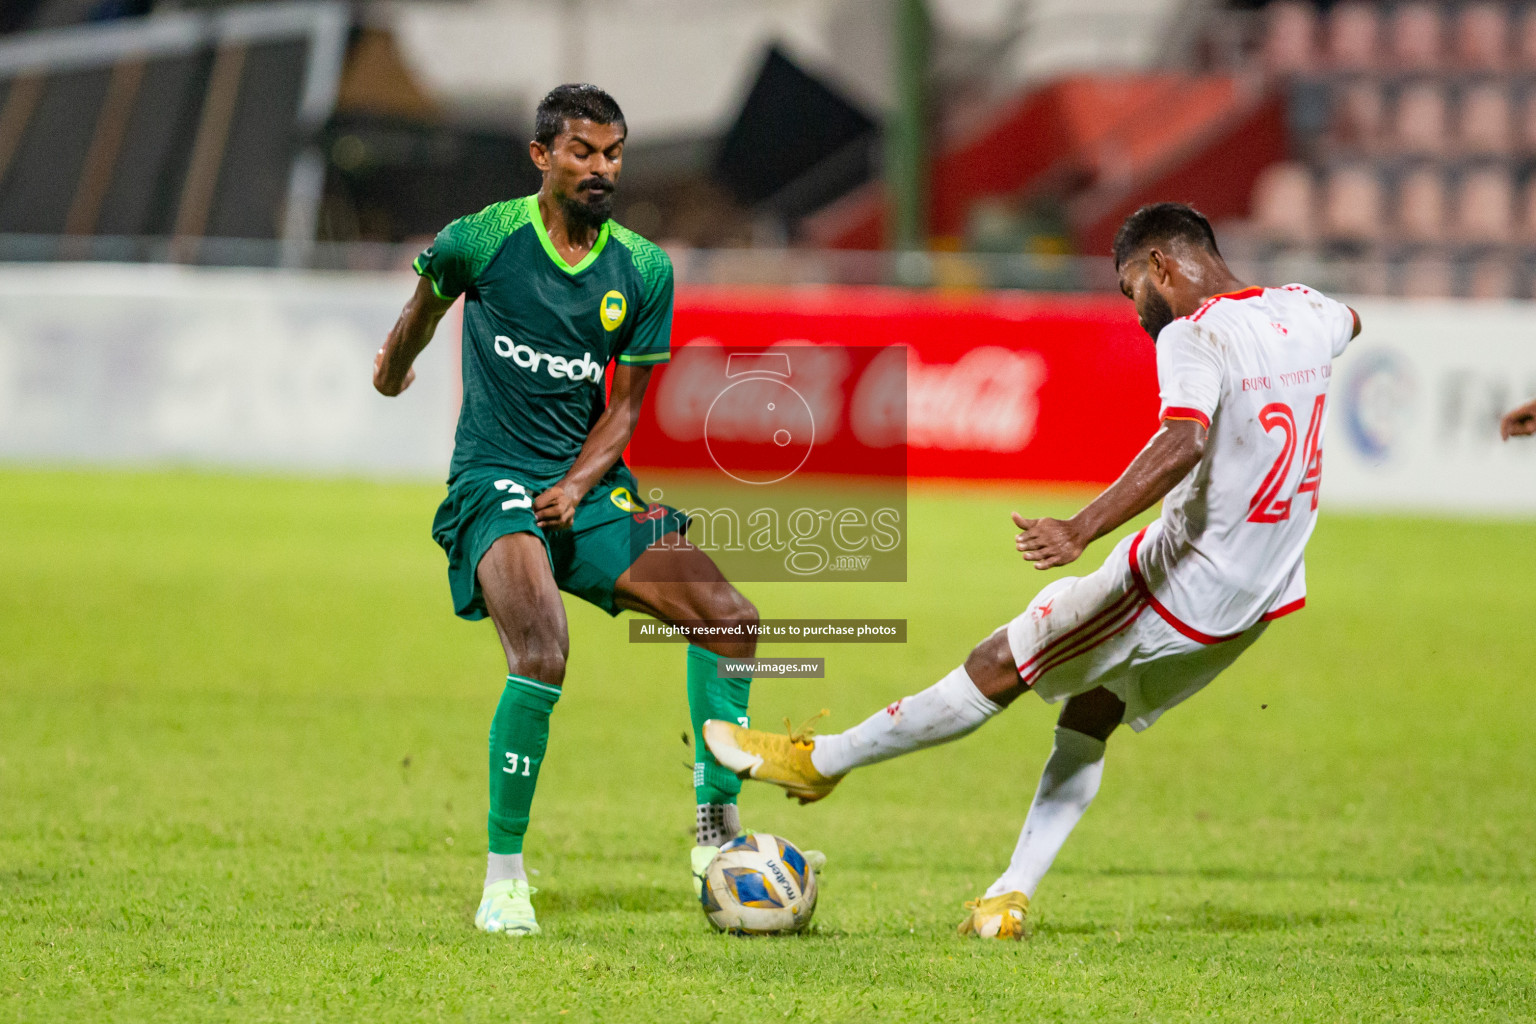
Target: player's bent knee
(991,668)
(724,604)
(1097,713)
(546,664)
(741,615)
(745,612)
(726,609)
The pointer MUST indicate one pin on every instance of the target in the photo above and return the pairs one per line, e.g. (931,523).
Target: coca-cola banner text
(1058,389)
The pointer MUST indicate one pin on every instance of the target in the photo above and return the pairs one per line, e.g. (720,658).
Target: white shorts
(1097,630)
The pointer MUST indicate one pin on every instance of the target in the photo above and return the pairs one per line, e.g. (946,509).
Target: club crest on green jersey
(613,309)
(621,497)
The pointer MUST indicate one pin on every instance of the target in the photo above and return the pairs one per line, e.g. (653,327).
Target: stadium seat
(1352,205)
(1525,226)
(1525,40)
(1372,276)
(1414,38)
(1290,37)
(1284,204)
(1525,124)
(1353,28)
(1482,37)
(1492,277)
(1484,122)
(1485,206)
(1418,120)
(1427,277)
(1358,114)
(1421,205)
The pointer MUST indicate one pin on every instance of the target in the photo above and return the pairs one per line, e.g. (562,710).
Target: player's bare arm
(392,372)
(1173,451)
(556,507)
(1519,422)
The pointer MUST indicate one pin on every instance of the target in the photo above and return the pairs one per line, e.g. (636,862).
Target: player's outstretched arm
(1519,422)
(392,371)
(556,507)
(1173,451)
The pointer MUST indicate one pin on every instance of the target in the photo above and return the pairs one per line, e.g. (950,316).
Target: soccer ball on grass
(759,884)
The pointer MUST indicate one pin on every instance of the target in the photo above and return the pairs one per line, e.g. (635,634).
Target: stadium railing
(948,270)
(945,271)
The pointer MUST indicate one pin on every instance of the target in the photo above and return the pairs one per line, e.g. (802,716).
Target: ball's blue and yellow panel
(751,888)
(793,862)
(745,841)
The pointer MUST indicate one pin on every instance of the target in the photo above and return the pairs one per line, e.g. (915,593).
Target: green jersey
(540,333)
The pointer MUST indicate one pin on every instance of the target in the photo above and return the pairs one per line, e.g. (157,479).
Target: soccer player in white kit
(1243,373)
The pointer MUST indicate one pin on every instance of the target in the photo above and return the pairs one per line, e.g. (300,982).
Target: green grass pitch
(242,777)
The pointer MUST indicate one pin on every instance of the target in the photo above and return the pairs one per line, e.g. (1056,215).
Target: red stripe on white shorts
(1119,607)
(1111,630)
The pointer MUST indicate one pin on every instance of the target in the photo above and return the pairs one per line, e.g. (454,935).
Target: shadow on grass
(1226,874)
(630,899)
(1205,918)
(1425,874)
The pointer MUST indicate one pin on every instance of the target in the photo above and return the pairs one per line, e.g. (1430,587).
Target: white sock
(501,866)
(716,824)
(1067,786)
(949,709)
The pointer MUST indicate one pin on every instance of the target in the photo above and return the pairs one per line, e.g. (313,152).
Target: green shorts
(611,529)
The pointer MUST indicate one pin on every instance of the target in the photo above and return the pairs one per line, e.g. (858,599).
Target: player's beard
(1157,314)
(590,205)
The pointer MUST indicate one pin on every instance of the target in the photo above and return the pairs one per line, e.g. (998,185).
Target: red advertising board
(1006,387)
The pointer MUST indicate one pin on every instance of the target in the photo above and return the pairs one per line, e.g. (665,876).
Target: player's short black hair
(574,101)
(1163,222)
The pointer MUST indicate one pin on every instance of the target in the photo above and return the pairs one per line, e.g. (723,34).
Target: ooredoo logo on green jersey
(613,309)
(529,358)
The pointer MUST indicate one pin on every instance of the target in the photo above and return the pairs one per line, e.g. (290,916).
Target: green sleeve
(466,247)
(444,263)
(650,341)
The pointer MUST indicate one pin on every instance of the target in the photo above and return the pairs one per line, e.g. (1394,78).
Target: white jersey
(1253,366)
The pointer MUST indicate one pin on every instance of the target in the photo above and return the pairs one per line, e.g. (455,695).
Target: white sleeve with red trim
(1189,372)
(1338,319)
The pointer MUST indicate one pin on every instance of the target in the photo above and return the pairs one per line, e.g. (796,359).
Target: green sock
(711,697)
(519,734)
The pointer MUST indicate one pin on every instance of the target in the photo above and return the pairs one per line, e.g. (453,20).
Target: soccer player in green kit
(539,499)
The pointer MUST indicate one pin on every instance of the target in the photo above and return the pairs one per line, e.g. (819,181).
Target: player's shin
(947,710)
(715,787)
(1067,786)
(519,736)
